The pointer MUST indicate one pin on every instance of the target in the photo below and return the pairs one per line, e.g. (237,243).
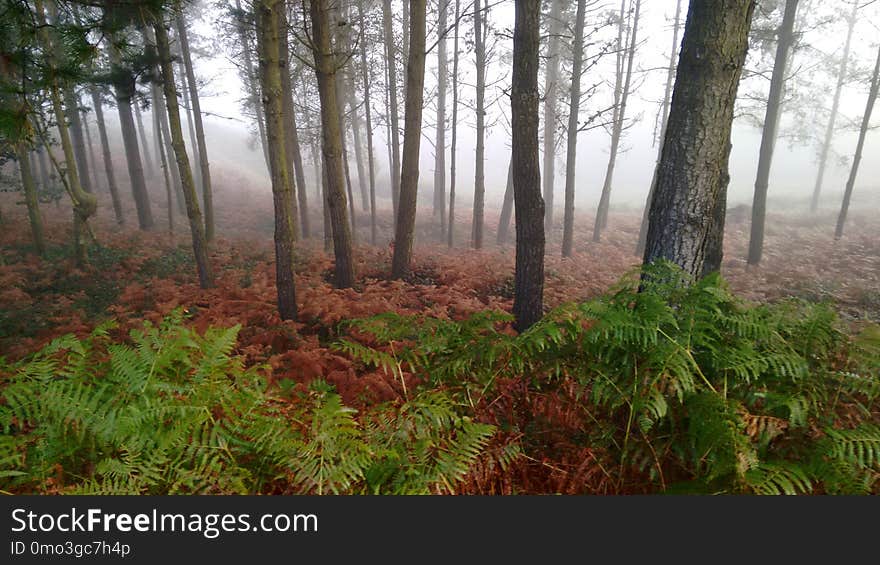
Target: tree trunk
(605,199)
(252,86)
(528,301)
(124,90)
(506,208)
(193,213)
(571,146)
(30,198)
(664,116)
(207,193)
(857,158)
(835,105)
(412,135)
(450,231)
(299,202)
(551,78)
(686,222)
(480,159)
(45,180)
(163,162)
(84,204)
(108,156)
(71,103)
(93,162)
(142,134)
(271,32)
(440,143)
(392,92)
(331,128)
(369,132)
(768,135)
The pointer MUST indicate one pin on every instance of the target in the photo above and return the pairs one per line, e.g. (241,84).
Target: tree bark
(835,105)
(664,116)
(207,193)
(252,85)
(193,213)
(571,146)
(450,231)
(299,203)
(857,158)
(71,103)
(124,91)
(551,78)
(480,158)
(528,301)
(93,162)
(412,135)
(142,134)
(271,32)
(30,198)
(440,142)
(391,60)
(368,115)
(163,163)
(768,135)
(325,69)
(605,199)
(108,156)
(506,208)
(686,222)
(84,204)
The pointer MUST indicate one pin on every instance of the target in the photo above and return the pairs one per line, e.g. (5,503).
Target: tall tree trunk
(506,208)
(528,301)
(768,135)
(857,158)
(450,231)
(440,143)
(299,202)
(163,162)
(168,148)
(835,105)
(142,134)
(392,92)
(190,121)
(331,127)
(193,213)
(664,116)
(686,224)
(571,146)
(45,180)
(368,115)
(71,103)
(30,198)
(605,199)
(551,94)
(124,91)
(480,159)
(412,134)
(207,192)
(271,32)
(252,86)
(108,156)
(84,204)
(93,162)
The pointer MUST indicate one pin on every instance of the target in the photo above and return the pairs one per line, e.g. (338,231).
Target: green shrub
(689,387)
(176,412)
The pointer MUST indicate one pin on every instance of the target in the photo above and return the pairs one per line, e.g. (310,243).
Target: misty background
(234,149)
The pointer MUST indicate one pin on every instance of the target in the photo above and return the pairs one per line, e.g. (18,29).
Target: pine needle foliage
(171,411)
(690,388)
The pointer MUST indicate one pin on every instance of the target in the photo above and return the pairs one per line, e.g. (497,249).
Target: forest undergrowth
(763,382)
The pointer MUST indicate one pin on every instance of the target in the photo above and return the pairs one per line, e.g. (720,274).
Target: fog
(232,147)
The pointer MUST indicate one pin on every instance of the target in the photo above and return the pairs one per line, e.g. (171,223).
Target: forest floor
(137,275)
